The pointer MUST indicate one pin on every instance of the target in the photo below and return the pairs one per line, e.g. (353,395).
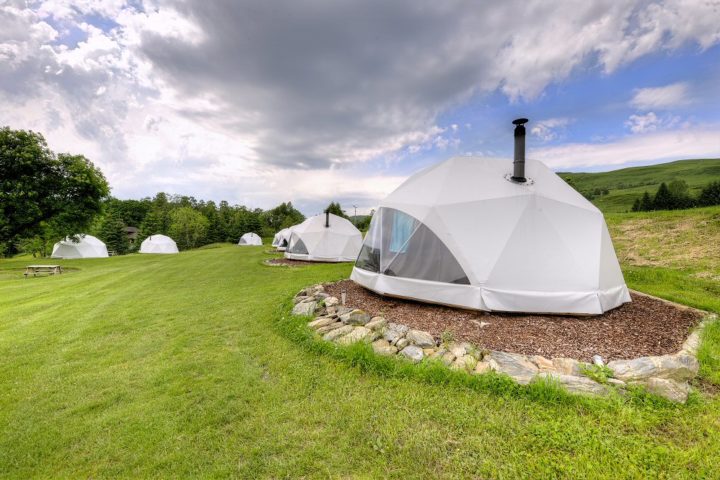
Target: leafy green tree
(188,228)
(151,225)
(132,212)
(38,188)
(710,195)
(336,209)
(283,216)
(112,232)
(680,194)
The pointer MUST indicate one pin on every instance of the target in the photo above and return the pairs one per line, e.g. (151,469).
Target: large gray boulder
(376,323)
(382,347)
(420,338)
(412,352)
(670,389)
(355,317)
(574,384)
(304,308)
(321,322)
(337,333)
(680,367)
(358,334)
(518,367)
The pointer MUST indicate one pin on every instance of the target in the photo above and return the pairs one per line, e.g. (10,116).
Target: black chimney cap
(520,121)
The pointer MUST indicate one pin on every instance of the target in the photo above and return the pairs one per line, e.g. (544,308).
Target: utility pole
(355,217)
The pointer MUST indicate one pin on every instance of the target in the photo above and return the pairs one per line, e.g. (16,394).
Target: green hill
(627,184)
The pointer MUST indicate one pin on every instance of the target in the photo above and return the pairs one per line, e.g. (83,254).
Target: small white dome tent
(324,238)
(250,239)
(87,246)
(465,233)
(158,244)
(283,237)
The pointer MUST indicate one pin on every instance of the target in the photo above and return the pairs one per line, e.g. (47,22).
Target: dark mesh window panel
(297,246)
(369,258)
(407,248)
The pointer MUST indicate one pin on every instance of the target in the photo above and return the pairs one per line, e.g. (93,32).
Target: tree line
(45,197)
(676,195)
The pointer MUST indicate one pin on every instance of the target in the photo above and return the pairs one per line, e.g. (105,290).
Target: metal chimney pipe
(519,160)
(327,218)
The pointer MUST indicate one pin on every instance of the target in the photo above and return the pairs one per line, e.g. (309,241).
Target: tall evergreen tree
(663,198)
(646,203)
(112,232)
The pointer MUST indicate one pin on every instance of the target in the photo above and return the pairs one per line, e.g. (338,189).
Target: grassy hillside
(176,366)
(627,184)
(673,254)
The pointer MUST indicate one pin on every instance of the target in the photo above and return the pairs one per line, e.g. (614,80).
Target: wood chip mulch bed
(288,262)
(647,326)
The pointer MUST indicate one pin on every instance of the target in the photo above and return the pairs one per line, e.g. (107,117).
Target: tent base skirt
(475,297)
(313,258)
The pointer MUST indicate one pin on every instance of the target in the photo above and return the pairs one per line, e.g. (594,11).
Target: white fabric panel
(559,302)
(87,247)
(158,244)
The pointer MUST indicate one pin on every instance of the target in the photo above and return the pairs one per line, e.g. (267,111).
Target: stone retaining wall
(665,375)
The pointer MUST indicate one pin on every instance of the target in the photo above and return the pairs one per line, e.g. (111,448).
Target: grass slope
(180,366)
(627,184)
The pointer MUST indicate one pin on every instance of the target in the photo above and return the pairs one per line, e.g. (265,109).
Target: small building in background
(132,234)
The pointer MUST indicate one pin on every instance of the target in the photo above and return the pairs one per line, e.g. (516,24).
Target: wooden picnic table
(34,270)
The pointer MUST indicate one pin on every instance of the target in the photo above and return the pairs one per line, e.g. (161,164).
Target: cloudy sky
(258,102)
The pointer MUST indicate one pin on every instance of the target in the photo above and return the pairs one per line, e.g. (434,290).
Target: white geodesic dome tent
(158,244)
(281,239)
(87,246)
(250,239)
(324,238)
(462,233)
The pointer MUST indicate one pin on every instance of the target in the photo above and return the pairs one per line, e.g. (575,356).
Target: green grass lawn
(183,366)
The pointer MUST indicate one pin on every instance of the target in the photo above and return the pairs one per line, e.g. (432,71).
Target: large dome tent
(158,244)
(81,246)
(324,238)
(466,232)
(250,239)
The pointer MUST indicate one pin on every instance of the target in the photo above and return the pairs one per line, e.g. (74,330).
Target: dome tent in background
(87,246)
(158,244)
(250,239)
(462,233)
(324,238)
(282,238)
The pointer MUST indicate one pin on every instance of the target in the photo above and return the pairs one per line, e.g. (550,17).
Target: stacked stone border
(665,375)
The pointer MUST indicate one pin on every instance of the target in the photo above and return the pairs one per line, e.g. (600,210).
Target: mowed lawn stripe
(145,366)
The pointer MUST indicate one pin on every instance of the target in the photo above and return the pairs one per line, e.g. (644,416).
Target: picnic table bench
(34,270)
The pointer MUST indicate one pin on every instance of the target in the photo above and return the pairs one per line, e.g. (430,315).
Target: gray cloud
(288,89)
(328,82)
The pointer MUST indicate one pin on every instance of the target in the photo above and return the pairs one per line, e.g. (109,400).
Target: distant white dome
(250,239)
(158,244)
(312,240)
(460,233)
(87,247)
